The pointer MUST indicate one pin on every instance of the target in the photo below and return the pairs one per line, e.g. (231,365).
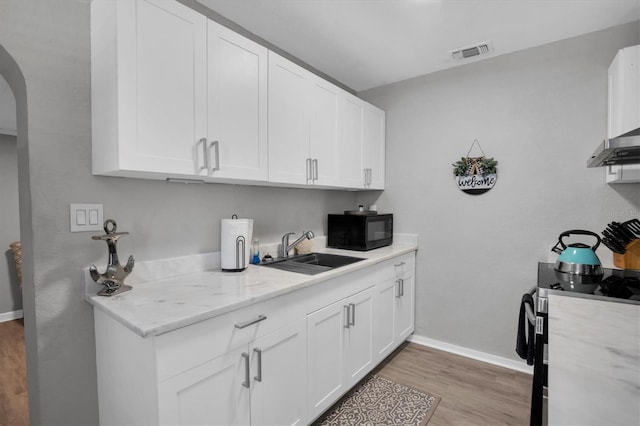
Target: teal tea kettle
(578,267)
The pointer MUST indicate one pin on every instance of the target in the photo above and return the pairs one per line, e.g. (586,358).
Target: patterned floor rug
(379,401)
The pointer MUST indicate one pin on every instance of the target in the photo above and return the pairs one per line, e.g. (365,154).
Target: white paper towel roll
(235,244)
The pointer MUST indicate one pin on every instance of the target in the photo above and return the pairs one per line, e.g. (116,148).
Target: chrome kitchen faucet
(286,247)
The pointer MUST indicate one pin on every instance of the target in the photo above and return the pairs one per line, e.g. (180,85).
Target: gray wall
(10,294)
(49,41)
(540,113)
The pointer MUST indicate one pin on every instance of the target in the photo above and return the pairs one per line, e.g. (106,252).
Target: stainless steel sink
(312,263)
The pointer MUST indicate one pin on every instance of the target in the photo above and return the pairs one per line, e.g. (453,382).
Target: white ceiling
(369,43)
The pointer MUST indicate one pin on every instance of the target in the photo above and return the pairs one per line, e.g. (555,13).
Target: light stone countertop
(183,291)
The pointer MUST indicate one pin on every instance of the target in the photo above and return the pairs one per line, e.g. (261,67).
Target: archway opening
(11,73)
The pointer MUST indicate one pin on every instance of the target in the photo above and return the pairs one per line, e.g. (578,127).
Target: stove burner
(613,286)
(619,287)
(616,283)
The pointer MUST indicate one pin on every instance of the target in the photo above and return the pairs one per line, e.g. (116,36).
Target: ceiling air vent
(478,49)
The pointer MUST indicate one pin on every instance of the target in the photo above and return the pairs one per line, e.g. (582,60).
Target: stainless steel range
(617,285)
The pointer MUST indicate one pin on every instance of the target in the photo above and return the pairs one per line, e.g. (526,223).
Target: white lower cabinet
(394,305)
(279,381)
(210,394)
(339,348)
(262,383)
(283,361)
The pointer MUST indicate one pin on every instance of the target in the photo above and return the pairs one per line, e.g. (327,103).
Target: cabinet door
(624,92)
(359,336)
(384,327)
(161,74)
(210,394)
(237,88)
(288,122)
(374,146)
(404,307)
(325,349)
(351,140)
(323,132)
(279,373)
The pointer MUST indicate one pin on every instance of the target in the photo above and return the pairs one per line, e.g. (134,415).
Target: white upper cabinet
(324,132)
(624,92)
(624,107)
(148,76)
(303,126)
(362,144)
(351,142)
(288,122)
(174,94)
(373,150)
(237,87)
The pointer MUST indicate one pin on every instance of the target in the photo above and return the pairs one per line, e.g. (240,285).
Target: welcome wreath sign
(475,175)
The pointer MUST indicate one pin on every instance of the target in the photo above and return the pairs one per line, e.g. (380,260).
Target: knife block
(631,259)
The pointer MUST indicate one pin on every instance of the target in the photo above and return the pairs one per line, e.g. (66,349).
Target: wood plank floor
(14,409)
(472,392)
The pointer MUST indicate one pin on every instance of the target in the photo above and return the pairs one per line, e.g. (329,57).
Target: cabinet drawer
(185,348)
(404,265)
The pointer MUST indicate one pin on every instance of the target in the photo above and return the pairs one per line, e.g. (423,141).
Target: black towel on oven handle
(525,342)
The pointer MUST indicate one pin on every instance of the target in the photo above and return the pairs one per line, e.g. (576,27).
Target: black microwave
(359,231)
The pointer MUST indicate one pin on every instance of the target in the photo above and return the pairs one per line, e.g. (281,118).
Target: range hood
(624,149)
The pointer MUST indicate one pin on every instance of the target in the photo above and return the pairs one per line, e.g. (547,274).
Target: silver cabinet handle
(315,169)
(398,289)
(353,314)
(367,177)
(401,287)
(309,172)
(205,160)
(246,382)
(397,265)
(251,322)
(215,145)
(258,352)
(347,309)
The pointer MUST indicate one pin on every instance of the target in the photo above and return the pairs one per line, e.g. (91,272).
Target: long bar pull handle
(205,160)
(315,169)
(398,289)
(352,308)
(397,265)
(347,310)
(309,174)
(251,322)
(246,382)
(258,352)
(401,287)
(215,145)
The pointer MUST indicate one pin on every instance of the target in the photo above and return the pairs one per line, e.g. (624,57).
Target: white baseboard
(471,353)
(9,316)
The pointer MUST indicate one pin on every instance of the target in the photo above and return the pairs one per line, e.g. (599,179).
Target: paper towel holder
(234,236)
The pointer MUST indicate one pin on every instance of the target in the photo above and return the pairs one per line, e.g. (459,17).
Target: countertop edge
(303,282)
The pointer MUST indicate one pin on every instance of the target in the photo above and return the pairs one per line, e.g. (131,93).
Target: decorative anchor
(113,277)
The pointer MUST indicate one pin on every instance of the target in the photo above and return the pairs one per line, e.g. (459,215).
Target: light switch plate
(86,217)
